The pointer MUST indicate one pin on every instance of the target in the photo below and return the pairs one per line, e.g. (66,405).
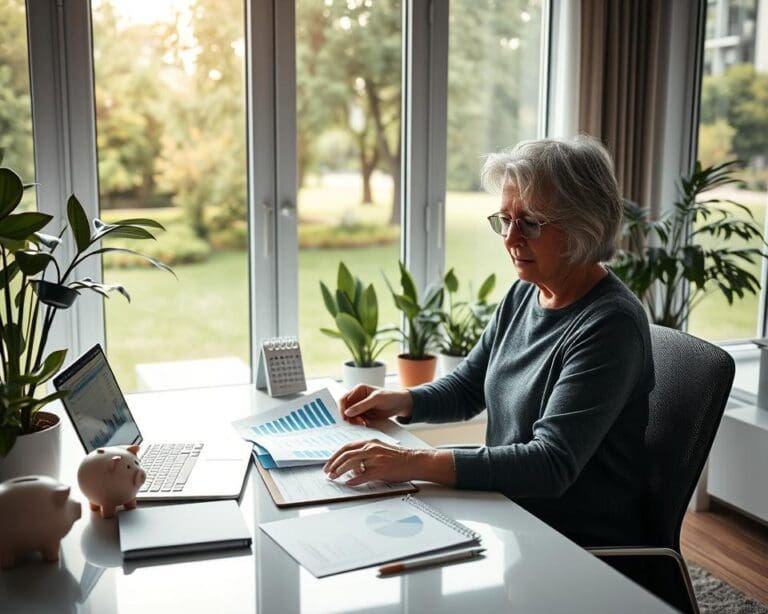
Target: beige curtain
(623,56)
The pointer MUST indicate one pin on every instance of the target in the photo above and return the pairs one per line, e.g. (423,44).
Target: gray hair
(576,180)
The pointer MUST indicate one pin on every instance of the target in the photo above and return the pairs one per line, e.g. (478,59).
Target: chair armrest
(650,551)
(608,551)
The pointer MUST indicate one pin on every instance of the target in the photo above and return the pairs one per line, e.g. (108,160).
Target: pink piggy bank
(110,477)
(35,513)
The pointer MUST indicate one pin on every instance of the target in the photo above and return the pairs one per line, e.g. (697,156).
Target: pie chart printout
(394,525)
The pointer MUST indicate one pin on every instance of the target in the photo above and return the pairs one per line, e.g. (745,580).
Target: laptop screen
(95,403)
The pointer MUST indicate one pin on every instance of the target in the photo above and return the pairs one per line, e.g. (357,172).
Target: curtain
(623,67)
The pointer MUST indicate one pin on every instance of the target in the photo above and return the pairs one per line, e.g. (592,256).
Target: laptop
(187,470)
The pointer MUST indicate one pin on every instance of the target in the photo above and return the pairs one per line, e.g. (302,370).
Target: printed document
(304,431)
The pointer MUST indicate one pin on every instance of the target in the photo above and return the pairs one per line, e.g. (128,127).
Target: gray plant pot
(37,453)
(447,363)
(373,376)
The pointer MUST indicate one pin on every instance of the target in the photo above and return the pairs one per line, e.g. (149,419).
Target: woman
(564,368)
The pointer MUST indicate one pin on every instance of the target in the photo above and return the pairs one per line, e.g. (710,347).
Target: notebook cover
(179,529)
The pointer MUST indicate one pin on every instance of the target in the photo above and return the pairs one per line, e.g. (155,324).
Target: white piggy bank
(35,513)
(111,477)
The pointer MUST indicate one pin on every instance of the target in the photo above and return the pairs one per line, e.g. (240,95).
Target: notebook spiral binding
(425,507)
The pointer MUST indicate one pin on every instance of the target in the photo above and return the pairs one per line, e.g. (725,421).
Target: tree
(15,102)
(203,153)
(348,72)
(740,97)
(715,142)
(492,69)
(129,115)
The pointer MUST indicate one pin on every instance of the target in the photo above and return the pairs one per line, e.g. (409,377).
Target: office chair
(693,380)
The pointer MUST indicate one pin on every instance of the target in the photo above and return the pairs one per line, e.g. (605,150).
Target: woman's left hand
(371,460)
(376,460)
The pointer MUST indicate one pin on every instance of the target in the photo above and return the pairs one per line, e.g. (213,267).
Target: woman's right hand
(364,403)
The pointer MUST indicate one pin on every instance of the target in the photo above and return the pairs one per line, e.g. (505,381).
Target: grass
(205,314)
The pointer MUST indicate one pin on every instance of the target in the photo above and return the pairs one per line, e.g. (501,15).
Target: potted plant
(34,286)
(463,321)
(417,364)
(355,310)
(689,245)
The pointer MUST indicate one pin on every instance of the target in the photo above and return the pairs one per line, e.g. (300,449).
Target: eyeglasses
(529,227)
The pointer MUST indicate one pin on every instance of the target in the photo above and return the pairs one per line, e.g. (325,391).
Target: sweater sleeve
(602,370)
(459,395)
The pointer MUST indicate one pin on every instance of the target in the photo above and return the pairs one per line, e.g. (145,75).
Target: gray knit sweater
(567,397)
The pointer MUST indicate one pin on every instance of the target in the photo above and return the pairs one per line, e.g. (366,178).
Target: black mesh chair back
(693,381)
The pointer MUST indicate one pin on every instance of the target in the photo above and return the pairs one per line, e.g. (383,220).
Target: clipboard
(283,502)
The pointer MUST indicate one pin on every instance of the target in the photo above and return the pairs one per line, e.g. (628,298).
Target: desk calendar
(281,369)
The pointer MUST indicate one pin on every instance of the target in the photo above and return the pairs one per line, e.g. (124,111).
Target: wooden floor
(729,546)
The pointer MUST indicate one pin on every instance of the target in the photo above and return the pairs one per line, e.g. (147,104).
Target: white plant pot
(37,453)
(373,376)
(447,363)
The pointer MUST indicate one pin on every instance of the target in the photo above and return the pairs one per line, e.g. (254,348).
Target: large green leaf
(52,364)
(140,221)
(330,304)
(345,282)
(352,332)
(48,369)
(487,287)
(407,306)
(11,191)
(409,286)
(345,305)
(78,223)
(114,231)
(451,282)
(369,310)
(32,262)
(19,226)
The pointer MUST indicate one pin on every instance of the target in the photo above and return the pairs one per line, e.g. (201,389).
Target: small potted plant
(421,335)
(355,310)
(34,286)
(463,321)
(689,244)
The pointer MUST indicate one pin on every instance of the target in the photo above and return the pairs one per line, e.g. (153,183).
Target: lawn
(205,313)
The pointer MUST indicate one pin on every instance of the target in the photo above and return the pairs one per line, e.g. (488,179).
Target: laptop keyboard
(168,466)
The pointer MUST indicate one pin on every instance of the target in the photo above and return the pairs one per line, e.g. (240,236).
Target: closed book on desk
(181,529)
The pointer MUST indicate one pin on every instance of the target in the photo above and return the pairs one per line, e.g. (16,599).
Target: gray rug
(718,597)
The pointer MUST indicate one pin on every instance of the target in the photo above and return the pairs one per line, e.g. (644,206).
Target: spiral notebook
(356,537)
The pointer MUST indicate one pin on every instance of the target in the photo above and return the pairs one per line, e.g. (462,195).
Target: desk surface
(528,567)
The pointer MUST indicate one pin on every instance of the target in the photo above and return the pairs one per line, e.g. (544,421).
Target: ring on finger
(362,466)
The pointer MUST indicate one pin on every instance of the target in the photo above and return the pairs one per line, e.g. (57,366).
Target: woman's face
(540,261)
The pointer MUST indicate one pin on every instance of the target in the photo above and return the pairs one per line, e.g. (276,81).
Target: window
(348,99)
(733,124)
(15,105)
(170,113)
(215,117)
(494,66)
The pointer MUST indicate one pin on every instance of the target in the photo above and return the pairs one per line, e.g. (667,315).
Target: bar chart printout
(305,431)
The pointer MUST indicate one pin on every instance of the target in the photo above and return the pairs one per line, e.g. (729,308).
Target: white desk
(528,567)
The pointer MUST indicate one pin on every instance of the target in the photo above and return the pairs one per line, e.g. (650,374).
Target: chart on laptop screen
(97,406)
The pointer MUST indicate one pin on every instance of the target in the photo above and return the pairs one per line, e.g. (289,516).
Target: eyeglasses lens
(529,228)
